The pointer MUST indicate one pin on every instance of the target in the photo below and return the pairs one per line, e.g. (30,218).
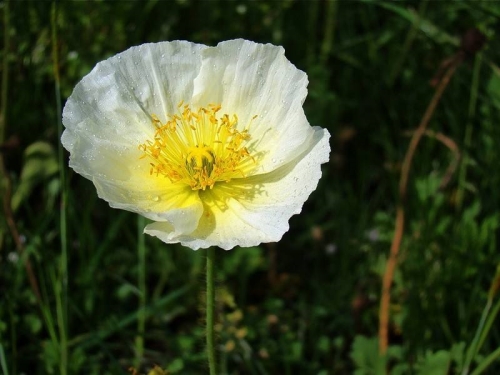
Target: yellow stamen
(198,149)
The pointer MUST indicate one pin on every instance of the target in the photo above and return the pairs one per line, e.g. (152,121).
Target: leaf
(435,363)
(366,357)
(430,29)
(493,88)
(40,163)
(427,188)
(176,365)
(457,353)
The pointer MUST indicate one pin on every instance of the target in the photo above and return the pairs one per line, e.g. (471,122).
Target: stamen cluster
(197,148)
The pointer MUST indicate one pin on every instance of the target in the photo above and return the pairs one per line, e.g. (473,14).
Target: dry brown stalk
(400,213)
(452,146)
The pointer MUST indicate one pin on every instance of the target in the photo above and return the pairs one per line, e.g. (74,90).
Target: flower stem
(141,316)
(210,311)
(62,297)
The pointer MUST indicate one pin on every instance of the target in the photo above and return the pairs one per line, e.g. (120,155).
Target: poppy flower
(210,143)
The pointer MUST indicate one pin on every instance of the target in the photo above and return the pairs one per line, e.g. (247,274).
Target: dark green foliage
(310,303)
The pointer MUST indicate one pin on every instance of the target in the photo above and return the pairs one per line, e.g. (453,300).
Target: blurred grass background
(84,292)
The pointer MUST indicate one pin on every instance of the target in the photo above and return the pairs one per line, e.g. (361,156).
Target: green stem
(473,349)
(3,362)
(141,318)
(487,318)
(313,9)
(62,297)
(4,90)
(5,72)
(210,311)
(329,27)
(487,361)
(410,37)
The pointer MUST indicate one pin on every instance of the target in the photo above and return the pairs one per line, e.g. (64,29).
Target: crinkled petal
(108,116)
(117,98)
(111,107)
(179,207)
(123,179)
(261,207)
(91,154)
(257,80)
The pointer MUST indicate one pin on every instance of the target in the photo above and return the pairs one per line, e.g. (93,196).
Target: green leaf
(457,353)
(40,163)
(435,363)
(433,31)
(366,357)
(493,88)
(176,365)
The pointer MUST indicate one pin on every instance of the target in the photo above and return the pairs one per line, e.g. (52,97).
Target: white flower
(211,143)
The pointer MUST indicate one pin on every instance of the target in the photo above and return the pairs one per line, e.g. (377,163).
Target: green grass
(112,298)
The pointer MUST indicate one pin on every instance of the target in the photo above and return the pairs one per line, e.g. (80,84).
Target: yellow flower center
(198,149)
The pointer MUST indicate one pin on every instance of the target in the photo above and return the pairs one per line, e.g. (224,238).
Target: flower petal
(257,80)
(117,98)
(260,209)
(109,114)
(123,179)
(178,208)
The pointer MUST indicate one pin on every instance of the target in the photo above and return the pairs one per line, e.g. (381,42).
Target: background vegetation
(84,292)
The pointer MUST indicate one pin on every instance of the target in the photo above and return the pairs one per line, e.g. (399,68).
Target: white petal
(180,210)
(257,79)
(93,156)
(117,98)
(109,114)
(110,109)
(263,206)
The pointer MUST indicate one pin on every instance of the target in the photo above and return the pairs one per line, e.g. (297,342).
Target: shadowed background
(84,292)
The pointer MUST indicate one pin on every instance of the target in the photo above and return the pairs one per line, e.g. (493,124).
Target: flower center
(197,148)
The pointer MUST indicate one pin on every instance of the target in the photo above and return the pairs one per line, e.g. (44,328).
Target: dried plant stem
(400,213)
(211,311)
(417,136)
(452,146)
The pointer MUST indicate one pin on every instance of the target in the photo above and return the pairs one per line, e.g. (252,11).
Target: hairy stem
(211,311)
(141,318)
